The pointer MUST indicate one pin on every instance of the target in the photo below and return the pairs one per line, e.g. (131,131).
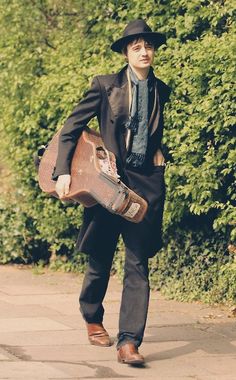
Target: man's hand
(63,185)
(158,158)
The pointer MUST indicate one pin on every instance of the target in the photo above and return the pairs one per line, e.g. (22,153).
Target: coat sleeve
(73,127)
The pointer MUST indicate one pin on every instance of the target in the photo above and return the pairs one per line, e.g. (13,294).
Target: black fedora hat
(138,28)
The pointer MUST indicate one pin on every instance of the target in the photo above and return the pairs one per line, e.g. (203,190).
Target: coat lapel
(118,96)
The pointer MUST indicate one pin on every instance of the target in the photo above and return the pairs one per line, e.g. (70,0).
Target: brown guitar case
(94,178)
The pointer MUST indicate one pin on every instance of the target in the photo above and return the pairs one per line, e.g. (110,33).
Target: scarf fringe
(132,124)
(136,159)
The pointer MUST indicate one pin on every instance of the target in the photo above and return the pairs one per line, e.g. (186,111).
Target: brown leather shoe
(129,354)
(97,335)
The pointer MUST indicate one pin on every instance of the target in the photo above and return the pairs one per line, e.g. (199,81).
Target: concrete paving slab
(9,310)
(40,299)
(30,324)
(42,338)
(74,321)
(33,290)
(158,377)
(24,274)
(66,353)
(3,357)
(155,319)
(76,370)
(173,350)
(30,371)
(182,341)
(169,333)
(63,304)
(193,367)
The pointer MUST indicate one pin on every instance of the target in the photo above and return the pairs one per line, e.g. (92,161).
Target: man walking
(129,108)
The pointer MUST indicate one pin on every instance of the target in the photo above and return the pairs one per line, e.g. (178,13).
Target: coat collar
(121,78)
(118,97)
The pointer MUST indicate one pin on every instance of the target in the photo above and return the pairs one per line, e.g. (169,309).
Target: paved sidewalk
(42,334)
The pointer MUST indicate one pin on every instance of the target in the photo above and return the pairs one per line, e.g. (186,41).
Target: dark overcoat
(108,100)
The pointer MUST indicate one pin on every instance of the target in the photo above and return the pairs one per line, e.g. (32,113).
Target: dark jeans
(135,295)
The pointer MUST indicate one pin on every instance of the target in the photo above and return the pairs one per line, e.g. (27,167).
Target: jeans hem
(125,341)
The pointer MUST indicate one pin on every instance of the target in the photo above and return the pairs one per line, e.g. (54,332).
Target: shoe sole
(131,362)
(100,345)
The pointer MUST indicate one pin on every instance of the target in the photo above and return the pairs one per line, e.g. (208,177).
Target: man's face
(140,54)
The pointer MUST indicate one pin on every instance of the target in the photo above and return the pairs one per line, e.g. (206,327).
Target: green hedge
(50,50)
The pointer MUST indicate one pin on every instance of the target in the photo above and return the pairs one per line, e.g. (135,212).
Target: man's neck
(142,74)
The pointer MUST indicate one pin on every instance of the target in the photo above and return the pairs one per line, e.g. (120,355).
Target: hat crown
(135,29)
(138,26)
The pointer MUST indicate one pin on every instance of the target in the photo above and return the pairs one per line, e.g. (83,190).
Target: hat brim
(158,39)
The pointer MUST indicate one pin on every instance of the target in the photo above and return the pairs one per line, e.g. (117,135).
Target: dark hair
(136,39)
